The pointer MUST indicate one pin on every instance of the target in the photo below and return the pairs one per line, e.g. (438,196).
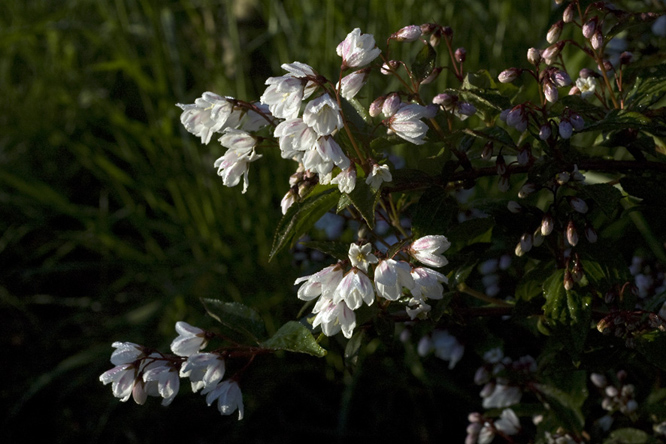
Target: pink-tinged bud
(526,190)
(568,281)
(433,75)
(577,122)
(545,131)
(447,31)
(586,72)
(550,91)
(446,101)
(572,234)
(508,75)
(391,105)
(597,40)
(503,184)
(408,33)
(578,204)
(534,56)
(598,380)
(590,234)
(574,91)
(589,27)
(487,152)
(565,129)
(460,55)
(561,78)
(428,28)
(389,67)
(626,58)
(554,32)
(514,207)
(547,224)
(526,242)
(608,66)
(568,14)
(500,164)
(550,54)
(376,106)
(435,38)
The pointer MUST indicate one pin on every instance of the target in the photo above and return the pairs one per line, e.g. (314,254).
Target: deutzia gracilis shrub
(509,222)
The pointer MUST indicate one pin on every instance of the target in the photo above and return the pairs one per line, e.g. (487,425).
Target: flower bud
(526,242)
(487,152)
(586,72)
(376,106)
(589,27)
(508,75)
(550,91)
(465,109)
(598,380)
(545,132)
(445,100)
(391,105)
(447,31)
(435,38)
(503,184)
(428,28)
(568,14)
(514,207)
(500,164)
(626,58)
(561,78)
(547,224)
(590,234)
(460,55)
(534,56)
(565,129)
(524,155)
(389,67)
(568,281)
(554,32)
(537,238)
(577,122)
(408,34)
(526,190)
(549,54)
(572,234)
(578,204)
(597,40)
(563,177)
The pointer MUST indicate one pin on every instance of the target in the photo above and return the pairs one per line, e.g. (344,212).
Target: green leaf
(650,87)
(649,187)
(531,285)
(239,322)
(470,232)
(294,337)
(494,134)
(302,216)
(628,436)
(567,313)
(434,212)
(606,196)
(424,63)
(652,346)
(364,198)
(562,405)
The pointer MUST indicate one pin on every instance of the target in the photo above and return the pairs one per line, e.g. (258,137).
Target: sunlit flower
(189,340)
(357,49)
(203,369)
(379,175)
(362,257)
(162,380)
(352,83)
(428,250)
(346,180)
(406,123)
(209,114)
(229,398)
(334,317)
(235,162)
(322,283)
(323,115)
(122,378)
(391,277)
(354,289)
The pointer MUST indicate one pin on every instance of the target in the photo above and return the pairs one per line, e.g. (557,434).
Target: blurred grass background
(113,223)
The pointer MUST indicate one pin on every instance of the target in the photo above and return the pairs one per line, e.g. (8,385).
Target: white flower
(357,49)
(346,180)
(406,123)
(408,33)
(391,277)
(323,115)
(586,86)
(428,250)
(447,347)
(330,151)
(235,162)
(334,317)
(508,422)
(421,309)
(427,283)
(189,341)
(500,395)
(354,289)
(379,174)
(126,353)
(229,398)
(284,96)
(162,380)
(361,257)
(204,370)
(122,378)
(209,114)
(287,201)
(352,83)
(322,283)
(294,137)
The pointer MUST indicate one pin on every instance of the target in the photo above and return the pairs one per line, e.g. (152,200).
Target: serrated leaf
(567,313)
(650,87)
(531,285)
(239,322)
(302,216)
(434,212)
(564,408)
(606,196)
(294,337)
(628,436)
(424,63)
(365,199)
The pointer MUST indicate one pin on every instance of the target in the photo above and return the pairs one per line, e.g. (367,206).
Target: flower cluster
(140,373)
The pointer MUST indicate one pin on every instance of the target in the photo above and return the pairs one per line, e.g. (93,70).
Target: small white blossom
(189,340)
(408,33)
(586,86)
(379,175)
(162,380)
(427,283)
(406,123)
(428,250)
(126,353)
(354,289)
(323,115)
(361,257)
(205,370)
(391,277)
(209,114)
(352,83)
(346,180)
(235,162)
(122,378)
(357,49)
(447,347)
(229,398)
(334,317)
(294,137)
(322,283)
